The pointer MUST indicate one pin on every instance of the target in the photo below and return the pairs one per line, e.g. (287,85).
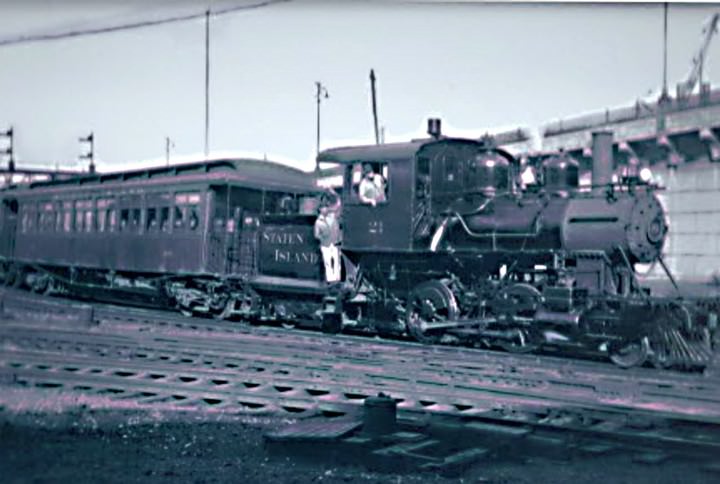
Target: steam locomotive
(457,251)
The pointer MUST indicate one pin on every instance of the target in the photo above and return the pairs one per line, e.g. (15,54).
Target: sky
(480,67)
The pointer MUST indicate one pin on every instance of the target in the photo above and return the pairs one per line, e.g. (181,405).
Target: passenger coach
(136,230)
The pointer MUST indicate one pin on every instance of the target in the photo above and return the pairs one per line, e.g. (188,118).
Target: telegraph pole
(9,134)
(90,154)
(207,82)
(664,94)
(374,106)
(321,91)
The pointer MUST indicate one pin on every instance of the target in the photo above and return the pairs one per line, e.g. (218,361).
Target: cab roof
(381,152)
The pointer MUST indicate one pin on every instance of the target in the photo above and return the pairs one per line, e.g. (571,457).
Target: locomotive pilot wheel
(628,354)
(430,303)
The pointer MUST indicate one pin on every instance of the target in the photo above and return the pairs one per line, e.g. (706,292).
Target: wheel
(227,310)
(516,303)
(514,306)
(430,302)
(40,284)
(11,276)
(18,278)
(525,342)
(628,354)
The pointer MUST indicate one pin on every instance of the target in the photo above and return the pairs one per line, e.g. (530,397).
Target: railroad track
(144,359)
(277,390)
(441,384)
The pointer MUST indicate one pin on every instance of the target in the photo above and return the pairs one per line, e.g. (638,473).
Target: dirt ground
(56,438)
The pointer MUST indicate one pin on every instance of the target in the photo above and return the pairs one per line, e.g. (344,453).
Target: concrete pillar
(602,153)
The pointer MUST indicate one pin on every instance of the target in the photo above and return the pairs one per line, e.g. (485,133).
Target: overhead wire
(43,37)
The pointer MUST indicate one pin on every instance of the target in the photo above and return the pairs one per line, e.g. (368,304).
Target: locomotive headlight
(646,175)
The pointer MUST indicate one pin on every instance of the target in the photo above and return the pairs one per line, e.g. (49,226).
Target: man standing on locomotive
(372,186)
(327,231)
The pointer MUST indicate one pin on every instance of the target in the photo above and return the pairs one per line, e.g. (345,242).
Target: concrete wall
(692,199)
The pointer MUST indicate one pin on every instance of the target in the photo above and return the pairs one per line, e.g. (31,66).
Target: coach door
(9,227)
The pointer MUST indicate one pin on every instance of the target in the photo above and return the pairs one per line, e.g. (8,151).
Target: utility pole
(9,134)
(90,154)
(374,106)
(321,91)
(168,144)
(207,82)
(664,94)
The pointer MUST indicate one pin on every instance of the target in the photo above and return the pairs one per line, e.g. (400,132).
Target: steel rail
(464,385)
(490,367)
(144,384)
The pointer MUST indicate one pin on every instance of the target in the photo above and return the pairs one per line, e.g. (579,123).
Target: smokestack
(602,154)
(434,128)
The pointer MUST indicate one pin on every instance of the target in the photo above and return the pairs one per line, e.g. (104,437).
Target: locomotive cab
(415,184)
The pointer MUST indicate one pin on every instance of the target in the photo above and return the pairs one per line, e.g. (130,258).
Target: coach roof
(249,172)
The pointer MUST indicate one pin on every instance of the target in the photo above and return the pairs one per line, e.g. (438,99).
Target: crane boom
(686,87)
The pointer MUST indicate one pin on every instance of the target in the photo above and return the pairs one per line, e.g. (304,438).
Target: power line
(24,39)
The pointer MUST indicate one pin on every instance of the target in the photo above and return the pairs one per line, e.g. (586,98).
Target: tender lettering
(290,257)
(283,238)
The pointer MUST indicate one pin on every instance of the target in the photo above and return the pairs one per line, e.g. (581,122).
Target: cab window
(368,182)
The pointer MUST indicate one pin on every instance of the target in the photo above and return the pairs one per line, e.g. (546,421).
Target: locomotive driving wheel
(431,304)
(515,306)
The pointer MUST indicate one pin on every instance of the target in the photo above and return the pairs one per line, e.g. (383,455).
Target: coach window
(47,217)
(68,216)
(89,219)
(32,214)
(178,217)
(135,220)
(24,221)
(38,217)
(193,219)
(102,214)
(165,219)
(41,217)
(151,220)
(58,217)
(124,219)
(112,223)
(79,215)
(186,213)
